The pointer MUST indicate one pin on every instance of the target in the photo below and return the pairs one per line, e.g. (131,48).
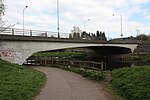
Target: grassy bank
(132,83)
(18,82)
(136,57)
(59,54)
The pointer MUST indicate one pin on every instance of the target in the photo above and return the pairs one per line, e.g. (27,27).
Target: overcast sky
(41,15)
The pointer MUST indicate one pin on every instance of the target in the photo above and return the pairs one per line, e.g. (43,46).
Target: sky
(42,15)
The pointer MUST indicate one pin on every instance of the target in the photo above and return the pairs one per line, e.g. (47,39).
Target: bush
(142,37)
(132,83)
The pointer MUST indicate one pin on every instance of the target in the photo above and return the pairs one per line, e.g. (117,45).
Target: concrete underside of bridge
(110,50)
(17,50)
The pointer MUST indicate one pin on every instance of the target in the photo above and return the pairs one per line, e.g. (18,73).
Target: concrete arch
(19,51)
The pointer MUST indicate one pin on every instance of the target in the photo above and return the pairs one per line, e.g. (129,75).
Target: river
(111,64)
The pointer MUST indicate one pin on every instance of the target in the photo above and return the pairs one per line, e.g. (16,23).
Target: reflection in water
(111,65)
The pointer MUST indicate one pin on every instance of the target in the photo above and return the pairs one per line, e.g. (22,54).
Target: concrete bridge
(17,49)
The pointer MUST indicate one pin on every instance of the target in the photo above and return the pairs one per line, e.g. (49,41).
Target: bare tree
(43,34)
(3,25)
(76,30)
(2,10)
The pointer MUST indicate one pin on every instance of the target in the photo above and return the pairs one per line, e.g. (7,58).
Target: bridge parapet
(26,32)
(45,39)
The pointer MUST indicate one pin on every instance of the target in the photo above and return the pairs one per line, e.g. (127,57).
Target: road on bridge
(65,85)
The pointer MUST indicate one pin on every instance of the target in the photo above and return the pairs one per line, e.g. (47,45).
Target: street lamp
(108,33)
(23,18)
(85,23)
(58,18)
(120,23)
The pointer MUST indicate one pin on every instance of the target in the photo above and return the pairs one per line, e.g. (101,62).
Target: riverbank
(18,82)
(138,59)
(143,56)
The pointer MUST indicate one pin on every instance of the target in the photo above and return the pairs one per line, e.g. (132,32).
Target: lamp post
(108,33)
(85,23)
(23,18)
(120,23)
(58,18)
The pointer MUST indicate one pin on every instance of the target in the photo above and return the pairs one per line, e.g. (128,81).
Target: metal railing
(15,31)
(38,33)
(26,32)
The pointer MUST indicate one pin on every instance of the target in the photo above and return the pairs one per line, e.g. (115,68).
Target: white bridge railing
(26,32)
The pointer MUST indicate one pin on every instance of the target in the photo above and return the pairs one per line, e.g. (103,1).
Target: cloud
(41,15)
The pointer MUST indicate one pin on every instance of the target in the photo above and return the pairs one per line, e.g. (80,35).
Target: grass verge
(132,83)
(18,82)
(60,54)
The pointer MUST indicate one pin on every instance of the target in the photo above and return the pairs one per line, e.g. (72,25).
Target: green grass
(136,56)
(18,82)
(60,54)
(132,83)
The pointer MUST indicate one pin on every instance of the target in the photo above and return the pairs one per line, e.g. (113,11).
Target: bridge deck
(45,39)
(52,39)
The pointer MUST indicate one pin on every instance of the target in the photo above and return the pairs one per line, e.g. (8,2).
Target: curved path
(65,85)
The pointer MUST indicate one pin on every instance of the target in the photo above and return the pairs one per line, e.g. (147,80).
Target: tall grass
(132,83)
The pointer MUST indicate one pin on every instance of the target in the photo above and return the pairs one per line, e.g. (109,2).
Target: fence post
(45,34)
(30,32)
(40,62)
(13,32)
(52,62)
(45,62)
(105,66)
(102,65)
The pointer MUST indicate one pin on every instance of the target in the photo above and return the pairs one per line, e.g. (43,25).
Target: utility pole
(85,23)
(23,18)
(121,34)
(58,18)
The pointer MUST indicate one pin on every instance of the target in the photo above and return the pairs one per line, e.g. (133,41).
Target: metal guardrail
(26,32)
(38,33)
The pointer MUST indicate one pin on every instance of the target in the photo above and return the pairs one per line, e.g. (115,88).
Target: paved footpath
(65,85)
